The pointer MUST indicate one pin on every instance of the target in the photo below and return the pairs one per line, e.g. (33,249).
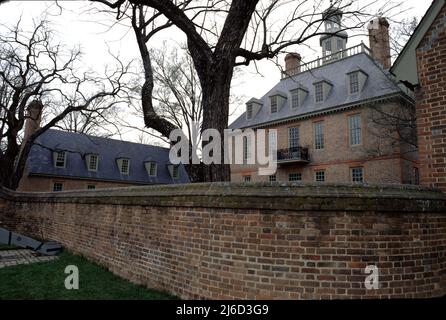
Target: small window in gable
(274,104)
(319,92)
(92,162)
(60,158)
(124,165)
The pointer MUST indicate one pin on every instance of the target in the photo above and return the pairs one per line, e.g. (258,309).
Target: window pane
(272,178)
(176,172)
(249,111)
(293,137)
(357,174)
(320,176)
(319,92)
(91,187)
(60,159)
(274,104)
(354,83)
(319,135)
(294,99)
(57,186)
(355,129)
(247,178)
(125,166)
(93,164)
(295,176)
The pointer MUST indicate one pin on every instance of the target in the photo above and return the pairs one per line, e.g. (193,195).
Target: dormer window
(319,92)
(249,111)
(152,168)
(294,99)
(124,165)
(174,171)
(276,100)
(253,106)
(60,158)
(92,162)
(322,90)
(356,81)
(274,104)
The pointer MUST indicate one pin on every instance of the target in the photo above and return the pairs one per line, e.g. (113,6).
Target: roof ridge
(104,138)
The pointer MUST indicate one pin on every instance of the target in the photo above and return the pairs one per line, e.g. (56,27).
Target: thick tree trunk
(216,90)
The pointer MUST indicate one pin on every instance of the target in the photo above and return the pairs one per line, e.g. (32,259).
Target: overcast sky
(76,27)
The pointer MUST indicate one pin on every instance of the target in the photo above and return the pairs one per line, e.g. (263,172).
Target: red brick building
(422,64)
(328,114)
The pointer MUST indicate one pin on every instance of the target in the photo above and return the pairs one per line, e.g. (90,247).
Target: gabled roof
(379,84)
(405,66)
(40,160)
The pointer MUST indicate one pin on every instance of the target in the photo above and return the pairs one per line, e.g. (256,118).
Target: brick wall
(45,184)
(224,241)
(431,104)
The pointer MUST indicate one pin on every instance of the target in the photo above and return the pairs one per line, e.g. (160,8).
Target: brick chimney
(292,63)
(33,118)
(380,41)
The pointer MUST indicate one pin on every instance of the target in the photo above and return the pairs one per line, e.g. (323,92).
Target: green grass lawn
(45,280)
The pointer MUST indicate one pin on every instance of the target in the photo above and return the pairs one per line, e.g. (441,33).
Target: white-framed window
(57,186)
(272,144)
(354,127)
(319,175)
(274,106)
(249,109)
(294,99)
(319,92)
(295,176)
(247,178)
(319,135)
(293,137)
(93,161)
(152,168)
(124,165)
(354,82)
(357,174)
(60,159)
(176,172)
(272,178)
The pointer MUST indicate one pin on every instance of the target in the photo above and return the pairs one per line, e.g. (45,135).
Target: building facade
(330,119)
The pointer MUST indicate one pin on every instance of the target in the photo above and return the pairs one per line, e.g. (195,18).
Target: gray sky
(75,27)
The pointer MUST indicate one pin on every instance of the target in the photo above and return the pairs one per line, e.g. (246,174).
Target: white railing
(361,48)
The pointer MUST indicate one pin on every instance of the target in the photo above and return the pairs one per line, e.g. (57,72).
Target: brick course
(260,241)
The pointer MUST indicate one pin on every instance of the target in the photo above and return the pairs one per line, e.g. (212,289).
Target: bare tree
(400,33)
(36,71)
(224,34)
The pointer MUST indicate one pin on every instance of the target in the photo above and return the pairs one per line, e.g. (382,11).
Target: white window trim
(89,161)
(56,156)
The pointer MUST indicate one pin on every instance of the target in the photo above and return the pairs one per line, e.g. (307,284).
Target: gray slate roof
(379,83)
(40,160)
